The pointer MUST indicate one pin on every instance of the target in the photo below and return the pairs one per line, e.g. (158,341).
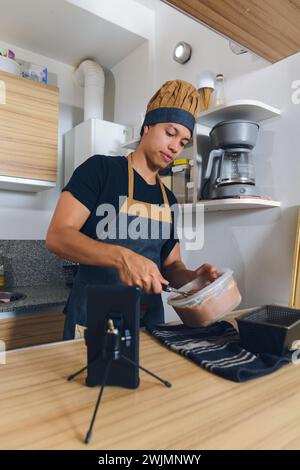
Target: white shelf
(14,183)
(251,110)
(229,204)
(131,144)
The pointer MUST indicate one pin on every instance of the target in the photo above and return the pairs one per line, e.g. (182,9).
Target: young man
(108,248)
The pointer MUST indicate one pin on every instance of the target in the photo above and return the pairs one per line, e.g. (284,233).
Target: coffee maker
(230,167)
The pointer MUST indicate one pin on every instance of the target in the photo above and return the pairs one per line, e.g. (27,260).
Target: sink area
(8,297)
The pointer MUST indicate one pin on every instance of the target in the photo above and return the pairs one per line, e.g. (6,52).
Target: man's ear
(146,129)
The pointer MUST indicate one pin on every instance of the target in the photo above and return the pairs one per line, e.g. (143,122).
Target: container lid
(178,168)
(213,289)
(233,121)
(9,65)
(181,161)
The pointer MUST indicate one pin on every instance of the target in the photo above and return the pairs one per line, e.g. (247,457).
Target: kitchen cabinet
(28,134)
(22,330)
(270,28)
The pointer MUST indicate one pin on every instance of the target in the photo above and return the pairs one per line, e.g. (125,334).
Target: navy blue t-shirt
(102,179)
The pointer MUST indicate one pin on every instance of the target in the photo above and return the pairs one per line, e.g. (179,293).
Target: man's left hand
(208,272)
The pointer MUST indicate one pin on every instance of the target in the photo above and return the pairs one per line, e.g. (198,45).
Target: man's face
(163,142)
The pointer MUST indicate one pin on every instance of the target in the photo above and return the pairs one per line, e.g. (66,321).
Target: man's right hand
(137,270)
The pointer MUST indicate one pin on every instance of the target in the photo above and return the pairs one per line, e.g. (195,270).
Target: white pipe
(91,75)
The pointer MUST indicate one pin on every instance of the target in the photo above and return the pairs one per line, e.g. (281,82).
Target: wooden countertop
(39,409)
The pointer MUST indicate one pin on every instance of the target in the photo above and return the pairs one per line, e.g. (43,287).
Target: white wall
(210,51)
(133,83)
(258,244)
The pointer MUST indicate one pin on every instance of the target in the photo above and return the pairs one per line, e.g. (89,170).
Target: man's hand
(208,273)
(136,270)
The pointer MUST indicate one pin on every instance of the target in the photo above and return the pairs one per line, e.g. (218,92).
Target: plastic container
(209,303)
(272,329)
(180,178)
(34,72)
(9,65)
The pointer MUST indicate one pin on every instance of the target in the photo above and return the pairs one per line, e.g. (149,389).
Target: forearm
(73,245)
(177,274)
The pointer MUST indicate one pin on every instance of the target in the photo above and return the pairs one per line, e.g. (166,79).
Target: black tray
(271,329)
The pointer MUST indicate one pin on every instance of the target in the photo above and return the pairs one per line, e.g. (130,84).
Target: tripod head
(112,341)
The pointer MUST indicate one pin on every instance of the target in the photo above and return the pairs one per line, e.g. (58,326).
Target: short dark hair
(142,128)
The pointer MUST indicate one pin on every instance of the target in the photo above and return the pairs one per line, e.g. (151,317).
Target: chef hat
(176,101)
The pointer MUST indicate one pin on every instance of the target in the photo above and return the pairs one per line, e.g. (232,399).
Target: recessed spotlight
(182,52)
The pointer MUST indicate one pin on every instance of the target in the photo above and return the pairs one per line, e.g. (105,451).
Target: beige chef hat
(176,101)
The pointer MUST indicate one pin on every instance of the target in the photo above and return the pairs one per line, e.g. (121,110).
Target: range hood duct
(90,75)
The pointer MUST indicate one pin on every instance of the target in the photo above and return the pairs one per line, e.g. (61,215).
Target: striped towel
(217,348)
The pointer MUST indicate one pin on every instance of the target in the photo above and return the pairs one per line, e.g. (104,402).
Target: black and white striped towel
(217,348)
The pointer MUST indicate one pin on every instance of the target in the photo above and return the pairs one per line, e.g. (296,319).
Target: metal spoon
(168,288)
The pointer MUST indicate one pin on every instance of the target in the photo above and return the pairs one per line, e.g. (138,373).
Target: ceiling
(269,28)
(64,32)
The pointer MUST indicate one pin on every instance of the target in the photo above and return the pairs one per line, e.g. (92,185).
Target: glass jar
(219,93)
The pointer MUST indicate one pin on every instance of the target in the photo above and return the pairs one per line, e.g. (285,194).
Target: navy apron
(157,220)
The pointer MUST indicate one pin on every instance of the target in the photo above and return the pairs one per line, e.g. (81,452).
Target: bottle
(219,93)
(1,272)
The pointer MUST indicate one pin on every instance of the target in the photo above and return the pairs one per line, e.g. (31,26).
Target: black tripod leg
(165,382)
(89,433)
(72,376)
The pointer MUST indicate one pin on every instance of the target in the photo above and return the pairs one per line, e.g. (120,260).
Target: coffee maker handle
(212,155)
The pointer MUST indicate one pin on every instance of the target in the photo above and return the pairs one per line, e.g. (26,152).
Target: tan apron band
(131,182)
(164,194)
(130,177)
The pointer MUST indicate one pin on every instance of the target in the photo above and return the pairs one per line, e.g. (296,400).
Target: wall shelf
(229,204)
(250,110)
(131,144)
(24,184)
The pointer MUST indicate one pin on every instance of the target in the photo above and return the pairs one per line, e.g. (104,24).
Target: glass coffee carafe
(236,166)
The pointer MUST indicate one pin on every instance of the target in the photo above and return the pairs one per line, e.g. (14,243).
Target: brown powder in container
(189,292)
(211,308)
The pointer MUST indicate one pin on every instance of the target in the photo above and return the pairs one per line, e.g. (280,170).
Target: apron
(153,217)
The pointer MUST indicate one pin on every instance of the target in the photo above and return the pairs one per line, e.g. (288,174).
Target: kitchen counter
(200,411)
(38,299)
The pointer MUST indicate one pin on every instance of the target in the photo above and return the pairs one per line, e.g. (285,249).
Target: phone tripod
(111,352)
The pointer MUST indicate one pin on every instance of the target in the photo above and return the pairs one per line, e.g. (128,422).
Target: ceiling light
(182,52)
(237,48)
